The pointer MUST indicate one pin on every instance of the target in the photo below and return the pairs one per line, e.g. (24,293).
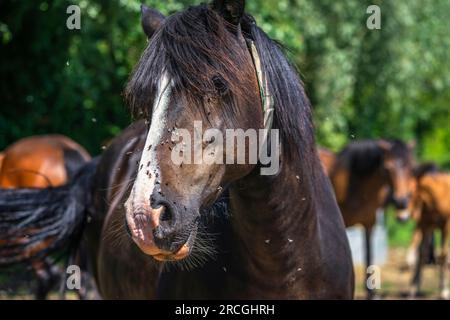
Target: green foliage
(363,83)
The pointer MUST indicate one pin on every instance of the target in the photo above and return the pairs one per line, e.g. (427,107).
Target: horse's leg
(368,247)
(443,283)
(47,274)
(88,288)
(77,258)
(422,255)
(411,256)
(63,282)
(82,292)
(41,278)
(431,259)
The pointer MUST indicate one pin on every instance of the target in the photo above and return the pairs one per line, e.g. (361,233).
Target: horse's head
(197,86)
(397,161)
(414,209)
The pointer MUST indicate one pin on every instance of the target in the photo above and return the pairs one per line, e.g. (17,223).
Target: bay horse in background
(272,237)
(430,207)
(327,159)
(41,162)
(365,175)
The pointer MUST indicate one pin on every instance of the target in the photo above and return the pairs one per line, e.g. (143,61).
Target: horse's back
(41,161)
(434,191)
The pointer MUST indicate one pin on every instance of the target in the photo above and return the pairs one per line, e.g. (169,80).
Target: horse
(327,159)
(430,207)
(40,162)
(2,155)
(411,213)
(365,175)
(201,231)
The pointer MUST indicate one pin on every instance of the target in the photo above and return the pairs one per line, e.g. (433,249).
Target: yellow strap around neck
(266,98)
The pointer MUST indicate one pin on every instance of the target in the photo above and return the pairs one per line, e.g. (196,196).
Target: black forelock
(197,47)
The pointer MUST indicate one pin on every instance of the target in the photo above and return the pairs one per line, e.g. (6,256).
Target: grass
(394,282)
(395,279)
(399,234)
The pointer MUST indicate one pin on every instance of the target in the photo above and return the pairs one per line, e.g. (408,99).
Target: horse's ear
(384,145)
(231,10)
(151,20)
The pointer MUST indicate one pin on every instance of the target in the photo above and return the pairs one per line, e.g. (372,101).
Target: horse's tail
(75,156)
(35,223)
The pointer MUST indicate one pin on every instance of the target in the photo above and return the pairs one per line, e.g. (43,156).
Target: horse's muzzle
(401,203)
(154,233)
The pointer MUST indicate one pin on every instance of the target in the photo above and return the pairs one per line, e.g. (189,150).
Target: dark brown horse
(430,207)
(366,174)
(41,162)
(274,236)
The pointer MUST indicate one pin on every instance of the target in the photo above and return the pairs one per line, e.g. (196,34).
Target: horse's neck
(373,188)
(350,191)
(276,225)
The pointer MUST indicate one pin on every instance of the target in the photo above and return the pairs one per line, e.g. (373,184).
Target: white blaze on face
(149,174)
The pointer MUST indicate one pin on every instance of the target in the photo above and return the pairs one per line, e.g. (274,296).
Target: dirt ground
(394,281)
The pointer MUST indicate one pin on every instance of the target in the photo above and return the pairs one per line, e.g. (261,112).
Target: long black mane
(202,53)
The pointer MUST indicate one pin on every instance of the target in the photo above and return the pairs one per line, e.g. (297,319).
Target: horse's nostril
(155,204)
(166,220)
(401,204)
(166,215)
(164,234)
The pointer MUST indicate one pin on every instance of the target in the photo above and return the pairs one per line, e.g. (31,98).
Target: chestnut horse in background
(365,174)
(327,158)
(430,207)
(2,155)
(410,213)
(41,162)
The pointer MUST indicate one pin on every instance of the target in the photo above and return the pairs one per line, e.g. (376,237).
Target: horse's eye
(220,85)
